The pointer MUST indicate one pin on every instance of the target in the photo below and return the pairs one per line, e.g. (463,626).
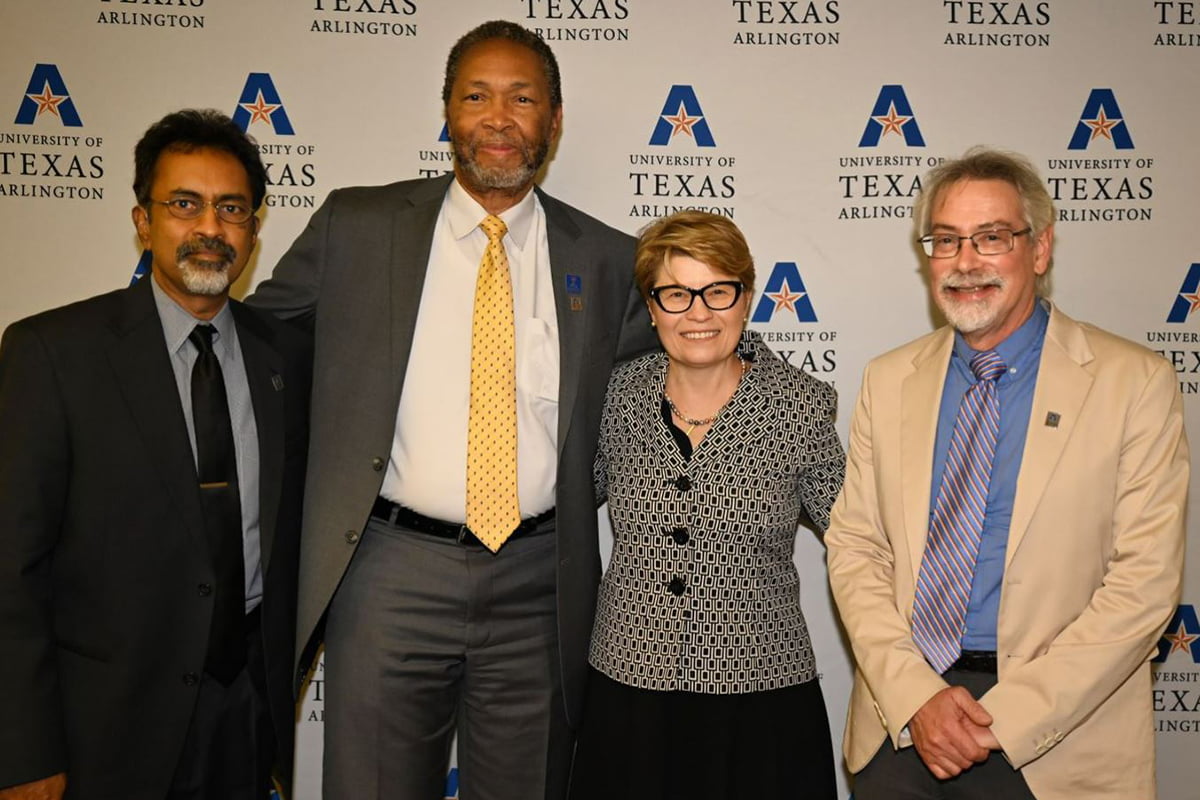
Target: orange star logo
(1194,299)
(1182,640)
(260,110)
(892,122)
(1102,125)
(785,298)
(681,122)
(47,100)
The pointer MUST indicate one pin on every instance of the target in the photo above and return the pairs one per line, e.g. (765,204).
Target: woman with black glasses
(703,681)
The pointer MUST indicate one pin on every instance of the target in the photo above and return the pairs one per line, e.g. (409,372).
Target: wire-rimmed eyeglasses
(995,242)
(235,212)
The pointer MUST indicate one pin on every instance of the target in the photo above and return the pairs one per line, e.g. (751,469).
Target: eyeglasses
(718,296)
(995,242)
(235,212)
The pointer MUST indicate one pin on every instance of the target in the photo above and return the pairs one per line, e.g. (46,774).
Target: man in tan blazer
(1079,558)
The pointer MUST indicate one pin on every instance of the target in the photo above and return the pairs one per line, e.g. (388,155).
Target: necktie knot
(494,227)
(988,366)
(202,337)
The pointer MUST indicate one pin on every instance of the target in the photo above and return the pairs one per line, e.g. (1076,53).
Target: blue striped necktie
(944,582)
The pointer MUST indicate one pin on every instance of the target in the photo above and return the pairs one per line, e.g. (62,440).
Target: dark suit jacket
(103,629)
(357,273)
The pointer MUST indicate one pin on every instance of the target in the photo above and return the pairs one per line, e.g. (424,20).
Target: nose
(699,311)
(968,257)
(496,115)
(208,223)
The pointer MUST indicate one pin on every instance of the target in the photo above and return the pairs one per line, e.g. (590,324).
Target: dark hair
(192,129)
(512,32)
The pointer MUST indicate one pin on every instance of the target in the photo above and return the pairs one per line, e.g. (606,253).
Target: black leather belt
(976,661)
(396,514)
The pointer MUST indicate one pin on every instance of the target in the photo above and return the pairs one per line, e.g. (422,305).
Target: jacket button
(682,483)
(680,535)
(204,590)
(677,586)
(352,537)
(377,464)
(190,679)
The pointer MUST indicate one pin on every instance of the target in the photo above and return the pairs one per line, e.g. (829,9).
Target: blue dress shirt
(1021,351)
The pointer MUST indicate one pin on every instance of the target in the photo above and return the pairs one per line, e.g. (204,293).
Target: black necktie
(217,467)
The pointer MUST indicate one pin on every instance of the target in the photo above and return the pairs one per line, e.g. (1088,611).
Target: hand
(951,732)
(51,788)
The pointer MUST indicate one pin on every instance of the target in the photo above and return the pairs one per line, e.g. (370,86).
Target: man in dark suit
(436,617)
(152,446)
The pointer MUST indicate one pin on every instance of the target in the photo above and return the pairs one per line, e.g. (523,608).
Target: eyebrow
(481,84)
(983,226)
(193,193)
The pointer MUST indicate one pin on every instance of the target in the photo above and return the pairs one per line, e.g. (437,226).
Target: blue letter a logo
(784,289)
(260,103)
(1101,118)
(1188,298)
(47,92)
(682,114)
(1182,633)
(892,114)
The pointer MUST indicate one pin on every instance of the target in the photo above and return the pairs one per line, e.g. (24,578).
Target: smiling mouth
(971,292)
(698,335)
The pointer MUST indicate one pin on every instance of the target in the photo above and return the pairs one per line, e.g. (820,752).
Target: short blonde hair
(708,238)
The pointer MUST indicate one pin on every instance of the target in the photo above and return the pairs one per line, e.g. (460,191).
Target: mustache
(971,280)
(517,141)
(202,243)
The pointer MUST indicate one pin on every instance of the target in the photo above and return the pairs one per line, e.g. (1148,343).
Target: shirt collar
(177,322)
(464,214)
(1024,342)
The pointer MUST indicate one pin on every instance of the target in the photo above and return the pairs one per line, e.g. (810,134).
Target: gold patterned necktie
(493,512)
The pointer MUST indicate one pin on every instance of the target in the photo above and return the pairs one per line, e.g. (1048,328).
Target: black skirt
(637,744)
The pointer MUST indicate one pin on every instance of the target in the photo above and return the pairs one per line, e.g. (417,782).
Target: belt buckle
(463,533)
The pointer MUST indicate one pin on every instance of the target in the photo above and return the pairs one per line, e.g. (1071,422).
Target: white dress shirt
(427,471)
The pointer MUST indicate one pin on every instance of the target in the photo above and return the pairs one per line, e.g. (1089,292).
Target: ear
(141,223)
(1043,249)
(255,224)
(555,124)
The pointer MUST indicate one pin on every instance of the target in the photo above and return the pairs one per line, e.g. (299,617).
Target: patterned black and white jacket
(702,593)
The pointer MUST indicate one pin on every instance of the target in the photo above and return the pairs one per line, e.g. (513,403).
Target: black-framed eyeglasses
(995,242)
(235,212)
(718,296)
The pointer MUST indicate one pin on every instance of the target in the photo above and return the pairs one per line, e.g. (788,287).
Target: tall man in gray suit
(466,326)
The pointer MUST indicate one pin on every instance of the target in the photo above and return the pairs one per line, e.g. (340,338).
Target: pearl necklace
(695,423)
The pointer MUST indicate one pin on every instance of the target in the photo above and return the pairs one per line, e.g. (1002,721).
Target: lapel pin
(574,292)
(1052,419)
(277,382)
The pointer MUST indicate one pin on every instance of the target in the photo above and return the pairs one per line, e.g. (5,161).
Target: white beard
(204,280)
(969,316)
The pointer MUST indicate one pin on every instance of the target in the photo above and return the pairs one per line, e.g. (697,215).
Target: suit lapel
(412,240)
(1063,383)
(920,398)
(264,374)
(640,411)
(567,258)
(143,372)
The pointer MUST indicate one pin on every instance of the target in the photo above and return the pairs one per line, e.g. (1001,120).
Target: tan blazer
(1092,570)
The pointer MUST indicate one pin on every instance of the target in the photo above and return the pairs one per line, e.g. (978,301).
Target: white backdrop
(808,123)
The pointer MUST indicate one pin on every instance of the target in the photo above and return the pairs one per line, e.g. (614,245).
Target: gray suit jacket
(356,274)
